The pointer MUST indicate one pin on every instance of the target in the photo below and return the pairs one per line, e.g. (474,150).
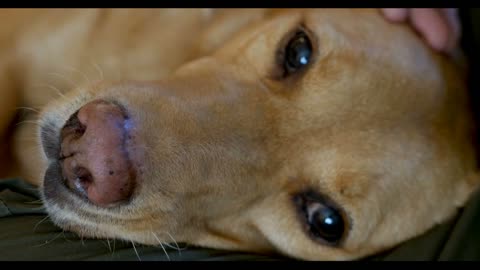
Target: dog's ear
(467,187)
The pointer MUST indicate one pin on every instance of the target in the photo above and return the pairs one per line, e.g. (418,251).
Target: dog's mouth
(90,155)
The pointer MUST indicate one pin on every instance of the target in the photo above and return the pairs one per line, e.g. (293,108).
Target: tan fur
(378,122)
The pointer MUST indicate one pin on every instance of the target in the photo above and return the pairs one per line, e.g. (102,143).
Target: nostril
(73,126)
(79,181)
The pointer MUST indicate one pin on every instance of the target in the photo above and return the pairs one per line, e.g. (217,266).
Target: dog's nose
(94,160)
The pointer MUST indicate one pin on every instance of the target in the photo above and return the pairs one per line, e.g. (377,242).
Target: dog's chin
(97,228)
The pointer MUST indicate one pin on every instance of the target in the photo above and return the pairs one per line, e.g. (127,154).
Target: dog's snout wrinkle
(94,160)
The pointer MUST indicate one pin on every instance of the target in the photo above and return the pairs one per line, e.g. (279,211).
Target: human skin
(440,27)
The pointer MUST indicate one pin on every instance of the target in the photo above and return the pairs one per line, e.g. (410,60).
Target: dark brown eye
(297,53)
(323,221)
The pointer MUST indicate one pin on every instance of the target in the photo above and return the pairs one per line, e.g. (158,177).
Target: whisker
(108,243)
(136,252)
(100,71)
(173,247)
(85,77)
(29,109)
(58,91)
(81,239)
(37,202)
(160,242)
(65,237)
(63,77)
(49,241)
(176,244)
(35,122)
(40,222)
(51,87)
(29,139)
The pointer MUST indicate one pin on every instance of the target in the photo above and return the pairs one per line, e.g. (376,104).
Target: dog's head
(318,134)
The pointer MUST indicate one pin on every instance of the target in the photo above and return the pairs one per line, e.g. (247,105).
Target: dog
(317,134)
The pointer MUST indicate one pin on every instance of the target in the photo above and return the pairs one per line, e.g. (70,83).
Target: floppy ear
(467,187)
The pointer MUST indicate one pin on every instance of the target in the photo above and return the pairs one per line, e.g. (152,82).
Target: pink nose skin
(94,159)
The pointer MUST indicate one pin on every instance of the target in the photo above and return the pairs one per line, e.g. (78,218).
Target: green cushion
(26,233)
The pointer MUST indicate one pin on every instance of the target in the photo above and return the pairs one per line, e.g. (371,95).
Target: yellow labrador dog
(318,134)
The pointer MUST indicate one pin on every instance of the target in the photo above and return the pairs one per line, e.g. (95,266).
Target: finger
(395,14)
(451,15)
(431,24)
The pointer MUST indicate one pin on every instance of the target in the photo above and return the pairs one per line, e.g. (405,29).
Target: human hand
(439,27)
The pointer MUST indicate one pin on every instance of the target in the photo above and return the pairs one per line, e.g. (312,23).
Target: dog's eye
(324,222)
(297,53)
